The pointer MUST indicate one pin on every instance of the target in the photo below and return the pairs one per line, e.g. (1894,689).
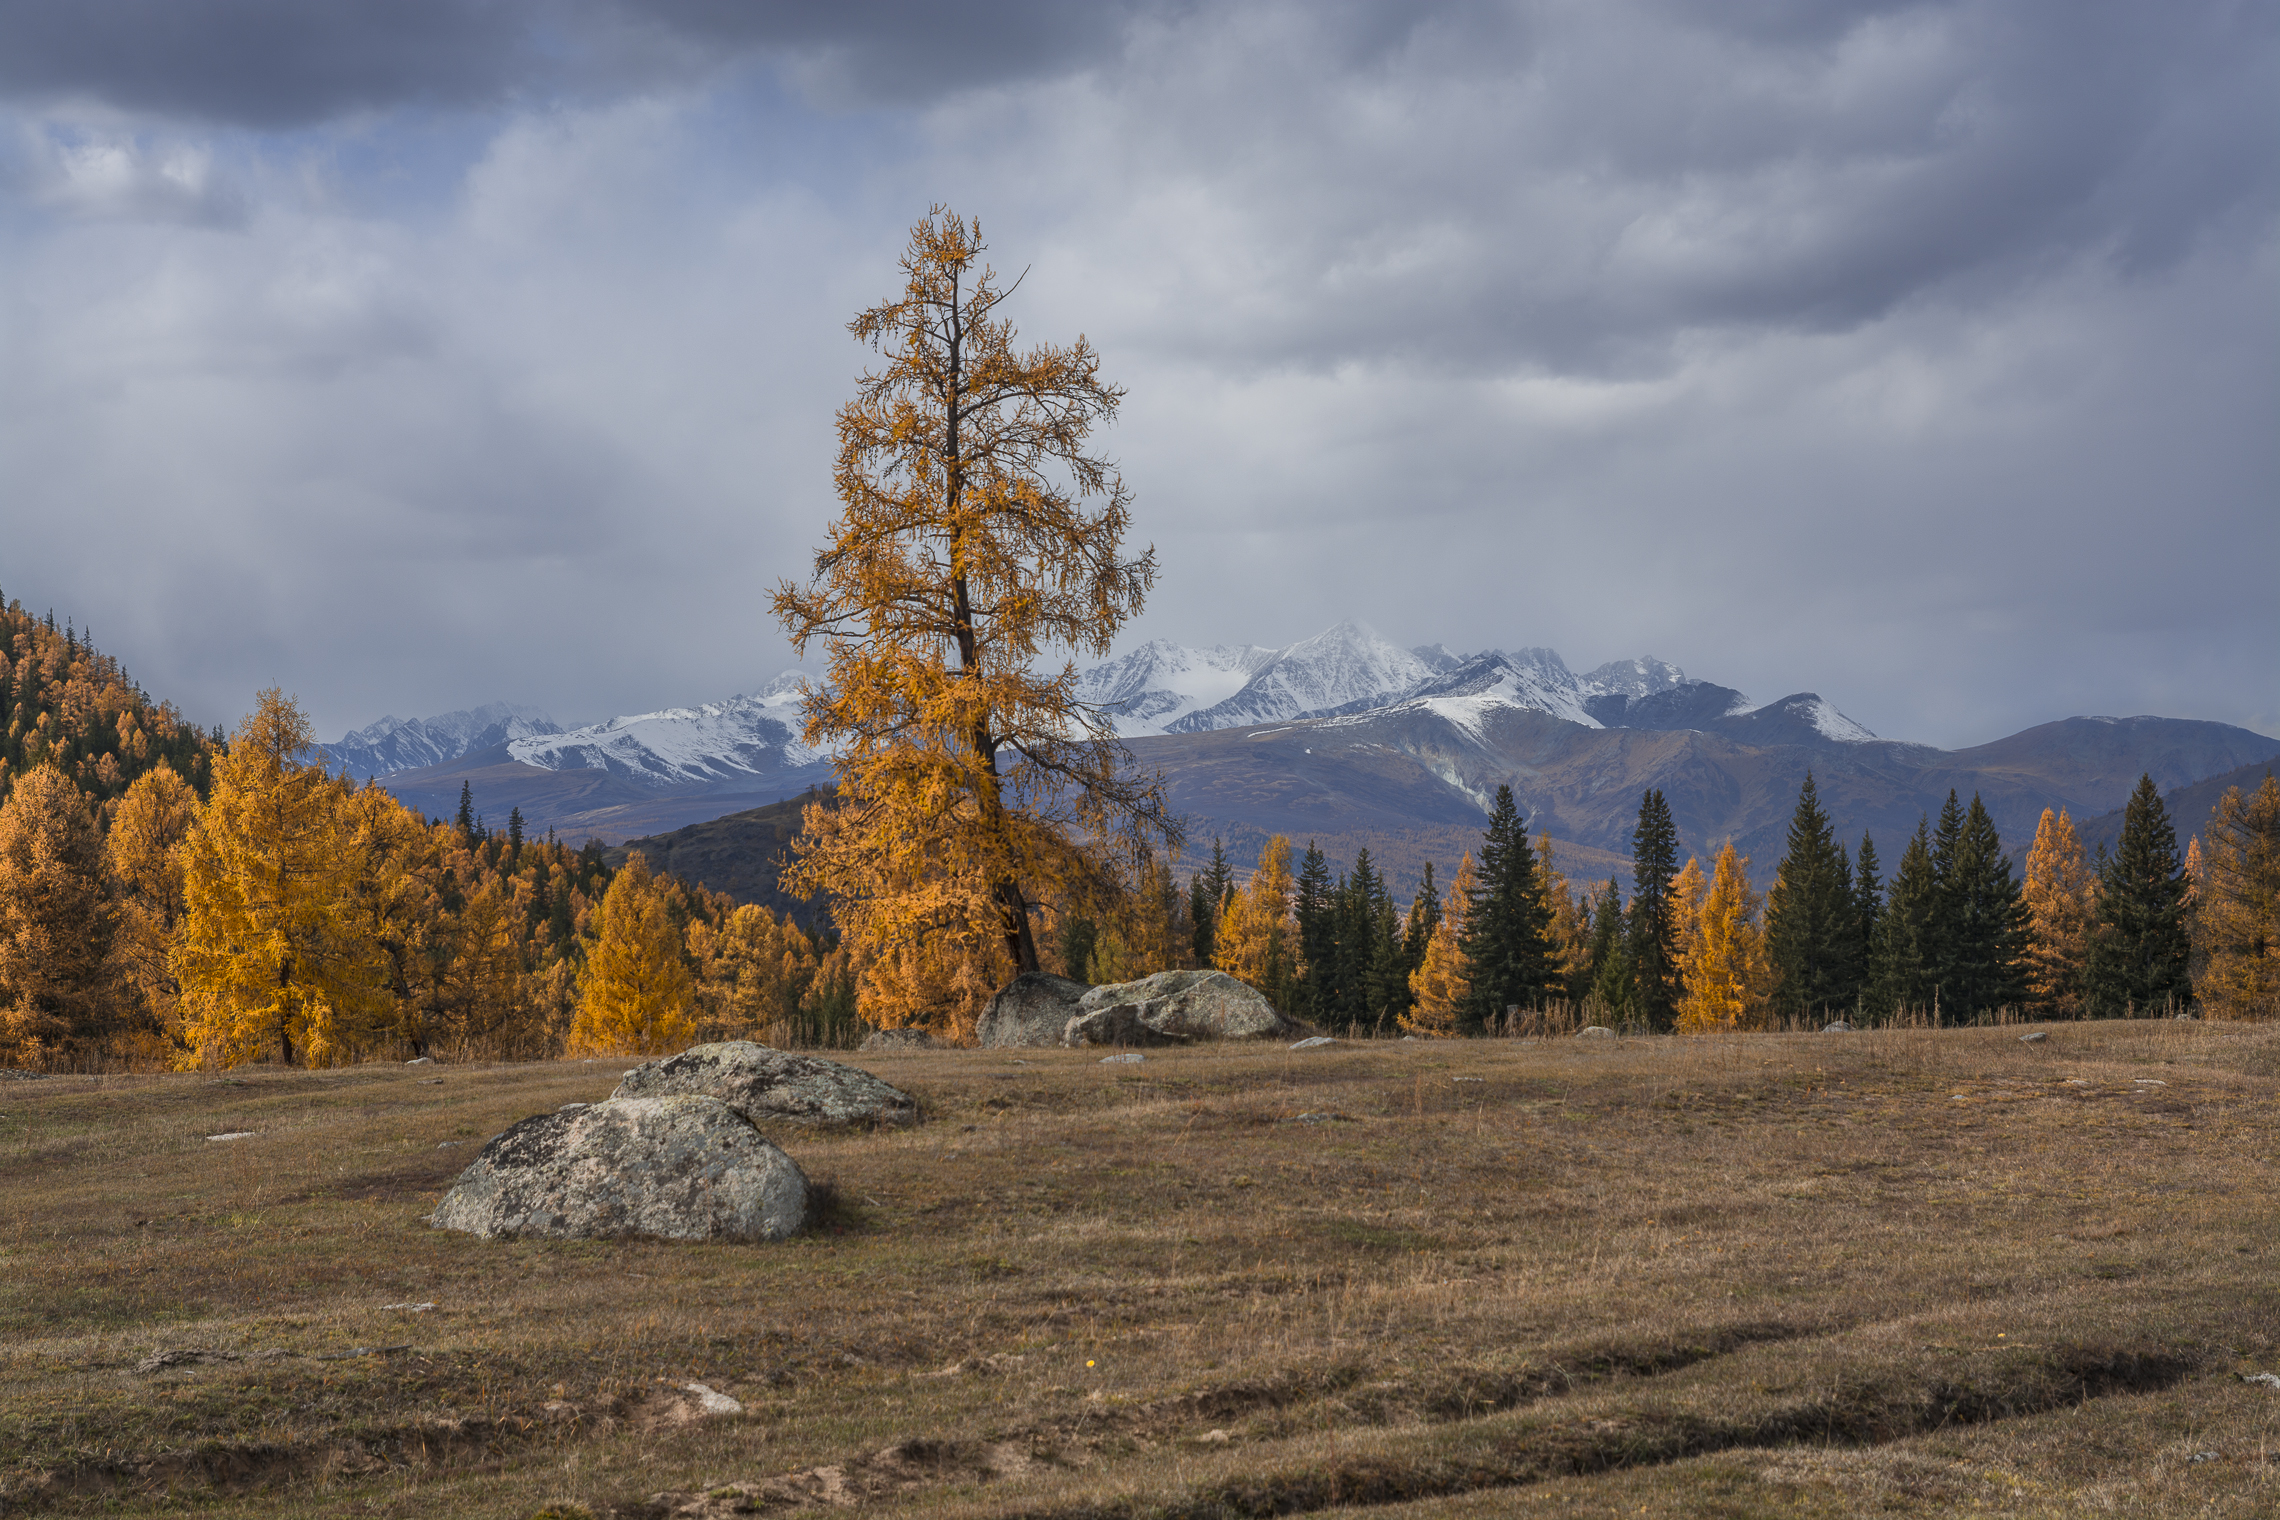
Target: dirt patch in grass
(1751,1275)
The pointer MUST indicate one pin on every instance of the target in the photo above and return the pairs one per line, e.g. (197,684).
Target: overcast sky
(416,354)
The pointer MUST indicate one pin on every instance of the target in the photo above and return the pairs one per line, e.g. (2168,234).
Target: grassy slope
(1903,1272)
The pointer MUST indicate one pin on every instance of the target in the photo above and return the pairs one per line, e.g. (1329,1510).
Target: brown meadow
(1902,1271)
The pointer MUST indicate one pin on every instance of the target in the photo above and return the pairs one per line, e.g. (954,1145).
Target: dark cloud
(287,63)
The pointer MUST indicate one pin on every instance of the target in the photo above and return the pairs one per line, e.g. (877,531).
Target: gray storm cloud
(419,355)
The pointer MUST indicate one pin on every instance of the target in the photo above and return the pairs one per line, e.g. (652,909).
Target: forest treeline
(246,906)
(1956,936)
(171,897)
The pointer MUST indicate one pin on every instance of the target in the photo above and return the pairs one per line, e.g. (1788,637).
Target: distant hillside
(739,854)
(65,703)
(2189,806)
(1421,779)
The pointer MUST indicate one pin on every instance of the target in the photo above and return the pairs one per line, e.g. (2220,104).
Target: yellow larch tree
(1571,941)
(143,853)
(58,995)
(2236,924)
(1439,982)
(2062,912)
(635,996)
(1725,974)
(268,956)
(1687,892)
(1256,938)
(976,534)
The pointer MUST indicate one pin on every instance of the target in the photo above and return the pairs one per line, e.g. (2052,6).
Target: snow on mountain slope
(685,746)
(1642,677)
(1830,723)
(1333,671)
(408,744)
(1162,682)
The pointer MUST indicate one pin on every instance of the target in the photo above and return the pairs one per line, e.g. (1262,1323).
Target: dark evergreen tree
(1078,936)
(1424,918)
(1389,970)
(2139,950)
(1940,942)
(1903,980)
(1207,898)
(1609,977)
(1507,936)
(1988,925)
(1653,947)
(1315,908)
(1867,906)
(465,820)
(1809,916)
(515,835)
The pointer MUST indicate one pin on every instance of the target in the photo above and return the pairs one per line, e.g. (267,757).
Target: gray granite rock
(679,1168)
(901,1039)
(1176,1008)
(1032,1009)
(762,1083)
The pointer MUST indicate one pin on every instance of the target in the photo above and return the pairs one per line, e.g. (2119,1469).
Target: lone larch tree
(977,533)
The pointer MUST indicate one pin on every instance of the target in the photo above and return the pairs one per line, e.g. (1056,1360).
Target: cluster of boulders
(1169,1008)
(676,1151)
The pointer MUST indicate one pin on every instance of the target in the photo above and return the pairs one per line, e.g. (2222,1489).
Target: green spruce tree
(1903,980)
(1867,907)
(1987,925)
(1315,908)
(1809,917)
(2140,949)
(1653,948)
(1608,980)
(1507,936)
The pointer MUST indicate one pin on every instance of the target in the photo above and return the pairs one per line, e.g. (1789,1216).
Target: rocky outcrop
(1032,1009)
(900,1039)
(763,1083)
(1175,1008)
(684,1167)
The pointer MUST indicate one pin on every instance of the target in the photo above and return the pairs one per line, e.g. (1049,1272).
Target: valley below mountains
(1347,740)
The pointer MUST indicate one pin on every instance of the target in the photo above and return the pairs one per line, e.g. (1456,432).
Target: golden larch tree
(976,533)
(58,996)
(1256,938)
(1439,982)
(2236,923)
(1571,941)
(1725,974)
(635,996)
(1687,892)
(2062,912)
(143,853)
(267,955)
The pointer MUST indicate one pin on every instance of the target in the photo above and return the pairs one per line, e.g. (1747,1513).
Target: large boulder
(1175,1008)
(679,1168)
(761,1083)
(1032,1009)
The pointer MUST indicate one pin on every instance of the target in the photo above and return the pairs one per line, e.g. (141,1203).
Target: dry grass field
(1902,1272)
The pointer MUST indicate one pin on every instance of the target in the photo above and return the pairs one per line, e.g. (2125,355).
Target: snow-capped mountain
(1330,672)
(1162,682)
(406,744)
(735,740)
(1165,688)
